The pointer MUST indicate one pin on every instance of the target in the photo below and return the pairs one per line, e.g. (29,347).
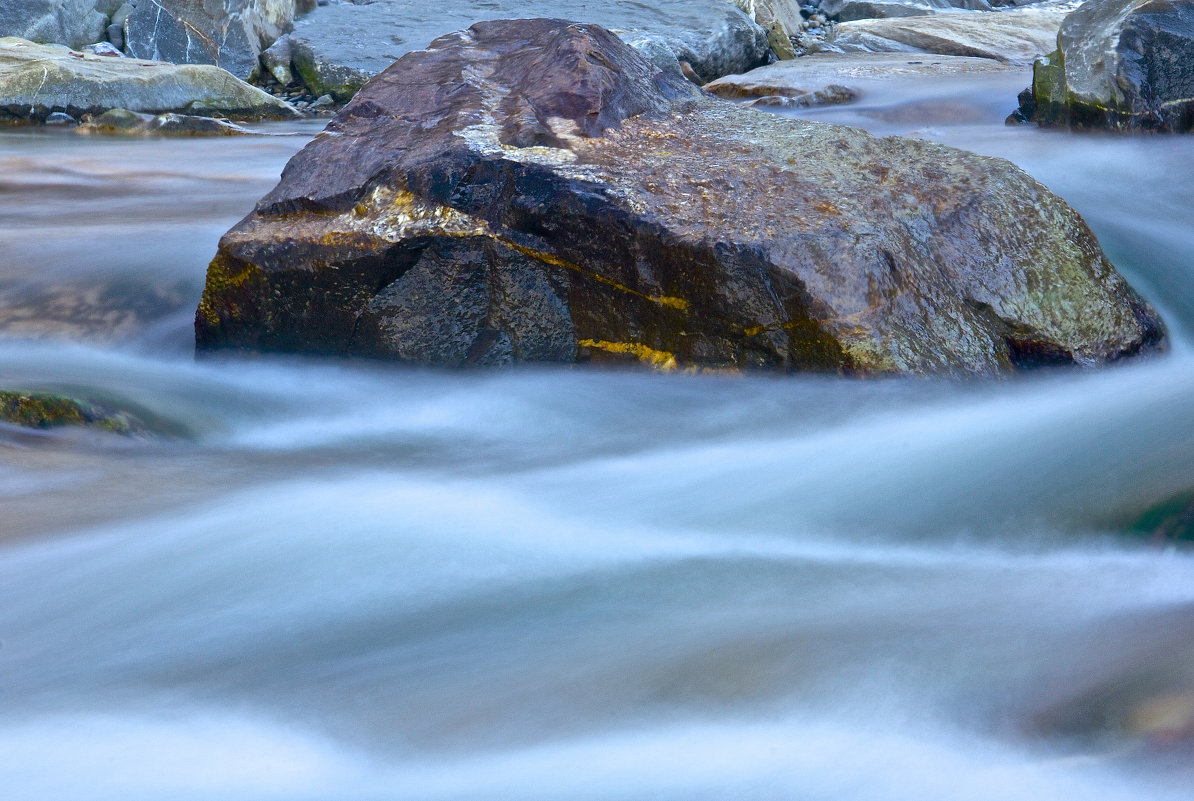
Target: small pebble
(61,118)
(103,49)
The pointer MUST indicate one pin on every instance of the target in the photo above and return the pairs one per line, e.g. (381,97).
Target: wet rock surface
(38,80)
(535,190)
(1015,36)
(336,48)
(1119,64)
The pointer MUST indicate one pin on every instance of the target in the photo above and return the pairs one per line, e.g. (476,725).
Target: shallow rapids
(352,581)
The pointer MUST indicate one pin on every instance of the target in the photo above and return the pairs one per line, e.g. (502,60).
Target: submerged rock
(1170,521)
(1016,36)
(123,121)
(94,308)
(1140,697)
(227,33)
(535,190)
(45,410)
(1120,64)
(37,80)
(336,48)
(73,23)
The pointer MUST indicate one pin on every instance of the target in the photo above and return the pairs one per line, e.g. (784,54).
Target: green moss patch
(45,410)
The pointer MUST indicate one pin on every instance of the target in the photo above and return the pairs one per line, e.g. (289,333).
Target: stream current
(353,581)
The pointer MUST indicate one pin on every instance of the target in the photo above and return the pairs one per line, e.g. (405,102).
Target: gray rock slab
(70,22)
(1016,36)
(37,80)
(815,73)
(336,48)
(849,10)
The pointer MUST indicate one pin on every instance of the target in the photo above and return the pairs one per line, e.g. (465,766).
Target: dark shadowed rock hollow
(538,191)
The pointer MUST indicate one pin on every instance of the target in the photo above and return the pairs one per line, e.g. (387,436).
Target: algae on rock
(47,410)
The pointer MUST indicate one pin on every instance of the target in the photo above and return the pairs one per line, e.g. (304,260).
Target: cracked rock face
(1123,64)
(227,33)
(537,191)
(73,23)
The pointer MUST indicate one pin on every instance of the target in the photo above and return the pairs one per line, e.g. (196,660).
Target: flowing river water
(357,581)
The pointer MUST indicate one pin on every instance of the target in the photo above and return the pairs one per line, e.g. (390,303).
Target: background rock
(336,48)
(1122,64)
(849,10)
(560,199)
(36,80)
(1016,36)
(73,23)
(780,18)
(816,72)
(227,33)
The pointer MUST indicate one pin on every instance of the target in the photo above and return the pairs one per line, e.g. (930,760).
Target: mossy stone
(46,410)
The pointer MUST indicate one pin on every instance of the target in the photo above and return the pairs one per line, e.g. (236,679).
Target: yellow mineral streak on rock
(401,213)
(556,261)
(659,359)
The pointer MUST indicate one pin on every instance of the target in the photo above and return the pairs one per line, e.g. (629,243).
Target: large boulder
(538,191)
(227,33)
(74,23)
(1121,64)
(37,80)
(336,48)
(1015,36)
